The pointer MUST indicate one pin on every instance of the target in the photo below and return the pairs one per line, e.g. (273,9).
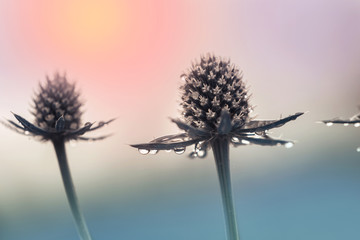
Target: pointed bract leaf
(102,124)
(93,138)
(13,126)
(340,121)
(80,131)
(16,125)
(263,125)
(164,145)
(193,132)
(172,138)
(30,127)
(169,142)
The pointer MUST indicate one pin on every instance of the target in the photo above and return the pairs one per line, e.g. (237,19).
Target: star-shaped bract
(253,132)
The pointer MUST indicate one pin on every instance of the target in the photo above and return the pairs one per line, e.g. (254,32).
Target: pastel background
(126,58)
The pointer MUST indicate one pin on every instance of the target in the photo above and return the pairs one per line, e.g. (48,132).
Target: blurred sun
(87,24)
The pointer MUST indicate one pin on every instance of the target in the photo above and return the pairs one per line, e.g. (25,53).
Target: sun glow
(89,24)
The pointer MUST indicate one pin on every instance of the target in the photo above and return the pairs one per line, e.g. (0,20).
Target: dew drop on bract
(201,153)
(143,151)
(346,124)
(179,150)
(168,150)
(289,145)
(329,124)
(193,155)
(26,132)
(153,151)
(358,149)
(246,142)
(357,125)
(235,140)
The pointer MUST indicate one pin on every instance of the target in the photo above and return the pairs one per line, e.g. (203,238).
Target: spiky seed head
(213,85)
(57,98)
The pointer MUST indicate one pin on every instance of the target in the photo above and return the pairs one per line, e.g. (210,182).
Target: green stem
(220,147)
(83,231)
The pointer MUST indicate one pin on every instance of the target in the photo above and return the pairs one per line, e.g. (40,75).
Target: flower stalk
(220,147)
(59,146)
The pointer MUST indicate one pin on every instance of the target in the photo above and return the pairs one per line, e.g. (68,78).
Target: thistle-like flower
(216,111)
(57,112)
(354,120)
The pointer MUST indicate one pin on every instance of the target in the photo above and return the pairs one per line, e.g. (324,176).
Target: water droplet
(235,140)
(358,149)
(193,155)
(179,150)
(168,150)
(26,132)
(143,151)
(201,153)
(246,142)
(346,124)
(329,124)
(87,124)
(289,145)
(153,151)
(357,125)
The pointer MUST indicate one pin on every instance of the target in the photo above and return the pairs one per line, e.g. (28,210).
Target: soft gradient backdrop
(126,58)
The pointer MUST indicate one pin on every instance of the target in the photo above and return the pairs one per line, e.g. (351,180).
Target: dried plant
(354,120)
(216,111)
(57,112)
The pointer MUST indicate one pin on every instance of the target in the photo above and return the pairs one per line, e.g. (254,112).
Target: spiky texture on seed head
(56,98)
(213,85)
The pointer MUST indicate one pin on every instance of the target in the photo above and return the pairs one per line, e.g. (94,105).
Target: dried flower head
(216,112)
(213,85)
(54,99)
(57,112)
(354,120)
(215,103)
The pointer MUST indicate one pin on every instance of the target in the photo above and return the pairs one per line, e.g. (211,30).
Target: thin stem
(220,147)
(83,231)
